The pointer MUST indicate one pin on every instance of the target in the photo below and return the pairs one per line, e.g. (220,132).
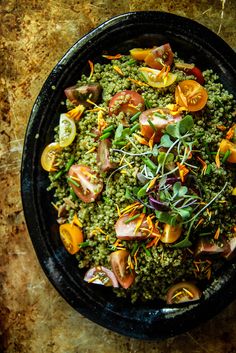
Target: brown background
(34,318)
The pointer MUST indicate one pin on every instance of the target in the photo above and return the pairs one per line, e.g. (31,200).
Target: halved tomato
(182,292)
(160,56)
(48,156)
(126,230)
(157,78)
(85,182)
(227,145)
(171,233)
(191,95)
(71,236)
(157,118)
(191,69)
(101,275)
(139,53)
(67,130)
(103,156)
(119,264)
(129,102)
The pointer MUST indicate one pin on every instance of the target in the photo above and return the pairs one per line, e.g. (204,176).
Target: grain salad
(143,172)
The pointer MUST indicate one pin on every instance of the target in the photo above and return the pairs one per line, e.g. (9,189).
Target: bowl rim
(184,317)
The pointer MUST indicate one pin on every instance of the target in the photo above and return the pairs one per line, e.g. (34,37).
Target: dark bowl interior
(153,320)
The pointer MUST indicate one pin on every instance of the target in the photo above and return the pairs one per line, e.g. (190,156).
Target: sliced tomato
(157,78)
(67,130)
(206,247)
(159,57)
(103,156)
(171,233)
(48,156)
(126,230)
(79,95)
(157,118)
(101,275)
(85,182)
(71,236)
(227,145)
(191,95)
(139,53)
(119,264)
(129,102)
(182,292)
(191,69)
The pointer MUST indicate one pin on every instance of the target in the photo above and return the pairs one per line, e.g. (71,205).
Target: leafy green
(166,141)
(180,128)
(162,158)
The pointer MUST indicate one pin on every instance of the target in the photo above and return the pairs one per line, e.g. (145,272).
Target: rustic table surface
(33,317)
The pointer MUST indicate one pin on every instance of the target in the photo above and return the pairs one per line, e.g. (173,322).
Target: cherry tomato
(125,230)
(206,247)
(157,117)
(71,236)
(227,145)
(139,53)
(230,248)
(171,233)
(129,102)
(67,130)
(157,79)
(182,292)
(160,56)
(191,69)
(101,275)
(48,156)
(79,95)
(85,182)
(191,94)
(119,264)
(103,156)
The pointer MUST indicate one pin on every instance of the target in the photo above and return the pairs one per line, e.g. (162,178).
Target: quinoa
(160,266)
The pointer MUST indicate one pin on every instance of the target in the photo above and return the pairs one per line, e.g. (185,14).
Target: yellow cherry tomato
(48,156)
(139,53)
(191,94)
(71,236)
(171,233)
(157,79)
(67,130)
(227,145)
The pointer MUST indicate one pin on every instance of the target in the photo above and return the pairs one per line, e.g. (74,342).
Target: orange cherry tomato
(191,95)
(119,264)
(182,292)
(139,53)
(71,236)
(158,118)
(171,233)
(160,56)
(227,145)
(129,102)
(85,182)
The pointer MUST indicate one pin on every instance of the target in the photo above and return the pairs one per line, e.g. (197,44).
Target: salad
(143,171)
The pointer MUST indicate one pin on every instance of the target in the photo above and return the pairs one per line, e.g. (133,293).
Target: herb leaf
(185,124)
(166,141)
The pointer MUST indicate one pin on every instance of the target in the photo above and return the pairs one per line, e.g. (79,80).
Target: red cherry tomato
(85,182)
(192,70)
(103,156)
(159,118)
(119,264)
(158,57)
(125,230)
(101,275)
(129,102)
(182,292)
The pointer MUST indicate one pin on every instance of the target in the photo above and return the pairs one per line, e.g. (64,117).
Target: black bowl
(152,320)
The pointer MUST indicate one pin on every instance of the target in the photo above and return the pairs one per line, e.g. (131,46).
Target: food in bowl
(143,171)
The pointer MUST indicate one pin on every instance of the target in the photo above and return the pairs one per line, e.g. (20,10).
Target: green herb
(142,191)
(91,134)
(132,218)
(162,158)
(159,115)
(146,250)
(152,125)
(226,156)
(120,143)
(84,244)
(108,129)
(150,164)
(204,234)
(131,62)
(73,194)
(118,132)
(69,163)
(73,182)
(105,136)
(147,103)
(58,174)
(134,248)
(135,117)
(166,141)
(134,128)
(208,170)
(142,76)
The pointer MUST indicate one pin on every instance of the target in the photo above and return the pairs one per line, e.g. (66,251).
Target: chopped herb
(152,125)
(134,128)
(135,117)
(73,182)
(146,250)
(105,136)
(108,129)
(69,163)
(226,156)
(132,218)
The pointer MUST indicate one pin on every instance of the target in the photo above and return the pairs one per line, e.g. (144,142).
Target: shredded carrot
(118,210)
(199,222)
(91,150)
(91,68)
(230,133)
(76,112)
(135,258)
(203,163)
(112,57)
(141,140)
(217,234)
(153,242)
(137,82)
(139,222)
(118,70)
(151,141)
(130,207)
(209,274)
(130,263)
(183,171)
(152,183)
(217,158)
(221,127)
